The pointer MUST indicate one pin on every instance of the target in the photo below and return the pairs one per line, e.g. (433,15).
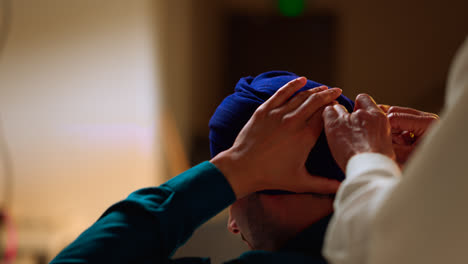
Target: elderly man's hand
(408,128)
(271,150)
(367,129)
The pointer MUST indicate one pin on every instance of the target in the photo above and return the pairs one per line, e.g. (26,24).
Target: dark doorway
(255,44)
(304,45)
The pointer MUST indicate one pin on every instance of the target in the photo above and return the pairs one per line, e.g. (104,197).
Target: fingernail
(338,106)
(336,90)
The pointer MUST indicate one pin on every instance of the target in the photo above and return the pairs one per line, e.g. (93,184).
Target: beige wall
(79,101)
(177,40)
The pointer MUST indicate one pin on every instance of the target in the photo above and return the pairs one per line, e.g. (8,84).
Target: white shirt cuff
(364,163)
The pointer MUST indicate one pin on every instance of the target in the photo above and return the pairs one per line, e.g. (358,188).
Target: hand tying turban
(236,109)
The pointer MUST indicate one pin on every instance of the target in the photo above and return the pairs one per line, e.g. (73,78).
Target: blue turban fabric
(236,109)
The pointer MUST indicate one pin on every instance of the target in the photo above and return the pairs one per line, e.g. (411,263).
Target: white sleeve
(425,219)
(421,218)
(369,178)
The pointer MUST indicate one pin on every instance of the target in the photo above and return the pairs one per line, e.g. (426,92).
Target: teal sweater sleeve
(152,223)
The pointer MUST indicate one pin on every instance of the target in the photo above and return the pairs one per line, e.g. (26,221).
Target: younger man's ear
(232,225)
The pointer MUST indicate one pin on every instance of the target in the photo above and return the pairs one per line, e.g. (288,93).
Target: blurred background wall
(99,98)
(79,105)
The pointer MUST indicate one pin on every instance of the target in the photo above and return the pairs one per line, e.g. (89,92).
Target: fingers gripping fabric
(250,92)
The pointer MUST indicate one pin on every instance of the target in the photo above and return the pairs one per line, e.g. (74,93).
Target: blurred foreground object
(9,250)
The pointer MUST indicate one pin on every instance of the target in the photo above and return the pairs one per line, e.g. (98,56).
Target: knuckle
(361,96)
(378,118)
(392,109)
(393,117)
(379,115)
(369,115)
(261,111)
(258,116)
(332,125)
(314,90)
(302,96)
(286,120)
(316,96)
(275,114)
(328,112)
(317,89)
(360,113)
(283,91)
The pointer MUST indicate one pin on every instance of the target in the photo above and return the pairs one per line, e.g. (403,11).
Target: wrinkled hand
(271,150)
(408,128)
(367,129)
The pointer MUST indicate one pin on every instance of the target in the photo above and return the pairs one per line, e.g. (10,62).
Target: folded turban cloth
(236,109)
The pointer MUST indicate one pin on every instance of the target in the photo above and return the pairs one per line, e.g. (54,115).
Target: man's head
(267,219)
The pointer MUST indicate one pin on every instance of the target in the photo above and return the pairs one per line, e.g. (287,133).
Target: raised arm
(152,223)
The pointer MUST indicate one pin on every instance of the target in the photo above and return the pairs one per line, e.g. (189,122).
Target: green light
(291,8)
